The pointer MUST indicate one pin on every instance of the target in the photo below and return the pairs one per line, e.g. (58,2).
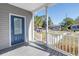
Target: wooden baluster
(73,46)
(76,49)
(55,41)
(52,40)
(66,43)
(59,42)
(69,44)
(63,44)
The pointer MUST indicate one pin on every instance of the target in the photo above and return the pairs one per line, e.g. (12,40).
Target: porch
(33,41)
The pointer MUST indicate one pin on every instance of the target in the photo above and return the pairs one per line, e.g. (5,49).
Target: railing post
(46,24)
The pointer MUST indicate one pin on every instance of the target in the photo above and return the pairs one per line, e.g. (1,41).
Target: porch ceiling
(29,6)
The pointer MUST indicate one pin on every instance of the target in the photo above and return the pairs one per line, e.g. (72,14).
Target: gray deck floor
(29,50)
(26,51)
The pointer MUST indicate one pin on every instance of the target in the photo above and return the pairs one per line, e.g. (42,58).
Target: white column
(46,23)
(31,29)
(33,26)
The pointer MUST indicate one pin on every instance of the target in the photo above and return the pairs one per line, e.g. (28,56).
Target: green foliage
(40,21)
(50,21)
(44,24)
(67,22)
(77,20)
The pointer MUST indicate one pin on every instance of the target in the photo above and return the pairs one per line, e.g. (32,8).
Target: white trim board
(10,27)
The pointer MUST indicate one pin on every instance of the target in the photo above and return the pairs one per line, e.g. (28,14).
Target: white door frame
(10,27)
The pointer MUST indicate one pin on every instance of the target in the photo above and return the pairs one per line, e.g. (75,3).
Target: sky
(59,11)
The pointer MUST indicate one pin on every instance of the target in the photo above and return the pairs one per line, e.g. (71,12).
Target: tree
(44,21)
(50,23)
(77,20)
(44,24)
(67,22)
(38,22)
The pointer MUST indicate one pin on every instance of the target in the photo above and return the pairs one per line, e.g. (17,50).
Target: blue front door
(17,29)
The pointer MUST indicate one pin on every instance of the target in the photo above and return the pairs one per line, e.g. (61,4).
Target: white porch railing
(68,43)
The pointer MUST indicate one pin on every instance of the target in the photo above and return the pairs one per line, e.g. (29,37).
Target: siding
(5,9)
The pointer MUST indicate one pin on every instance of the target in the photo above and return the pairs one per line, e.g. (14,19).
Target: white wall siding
(5,9)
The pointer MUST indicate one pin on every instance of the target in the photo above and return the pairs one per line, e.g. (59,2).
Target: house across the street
(56,28)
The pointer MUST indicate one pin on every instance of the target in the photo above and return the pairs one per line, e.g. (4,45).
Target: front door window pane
(17,26)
